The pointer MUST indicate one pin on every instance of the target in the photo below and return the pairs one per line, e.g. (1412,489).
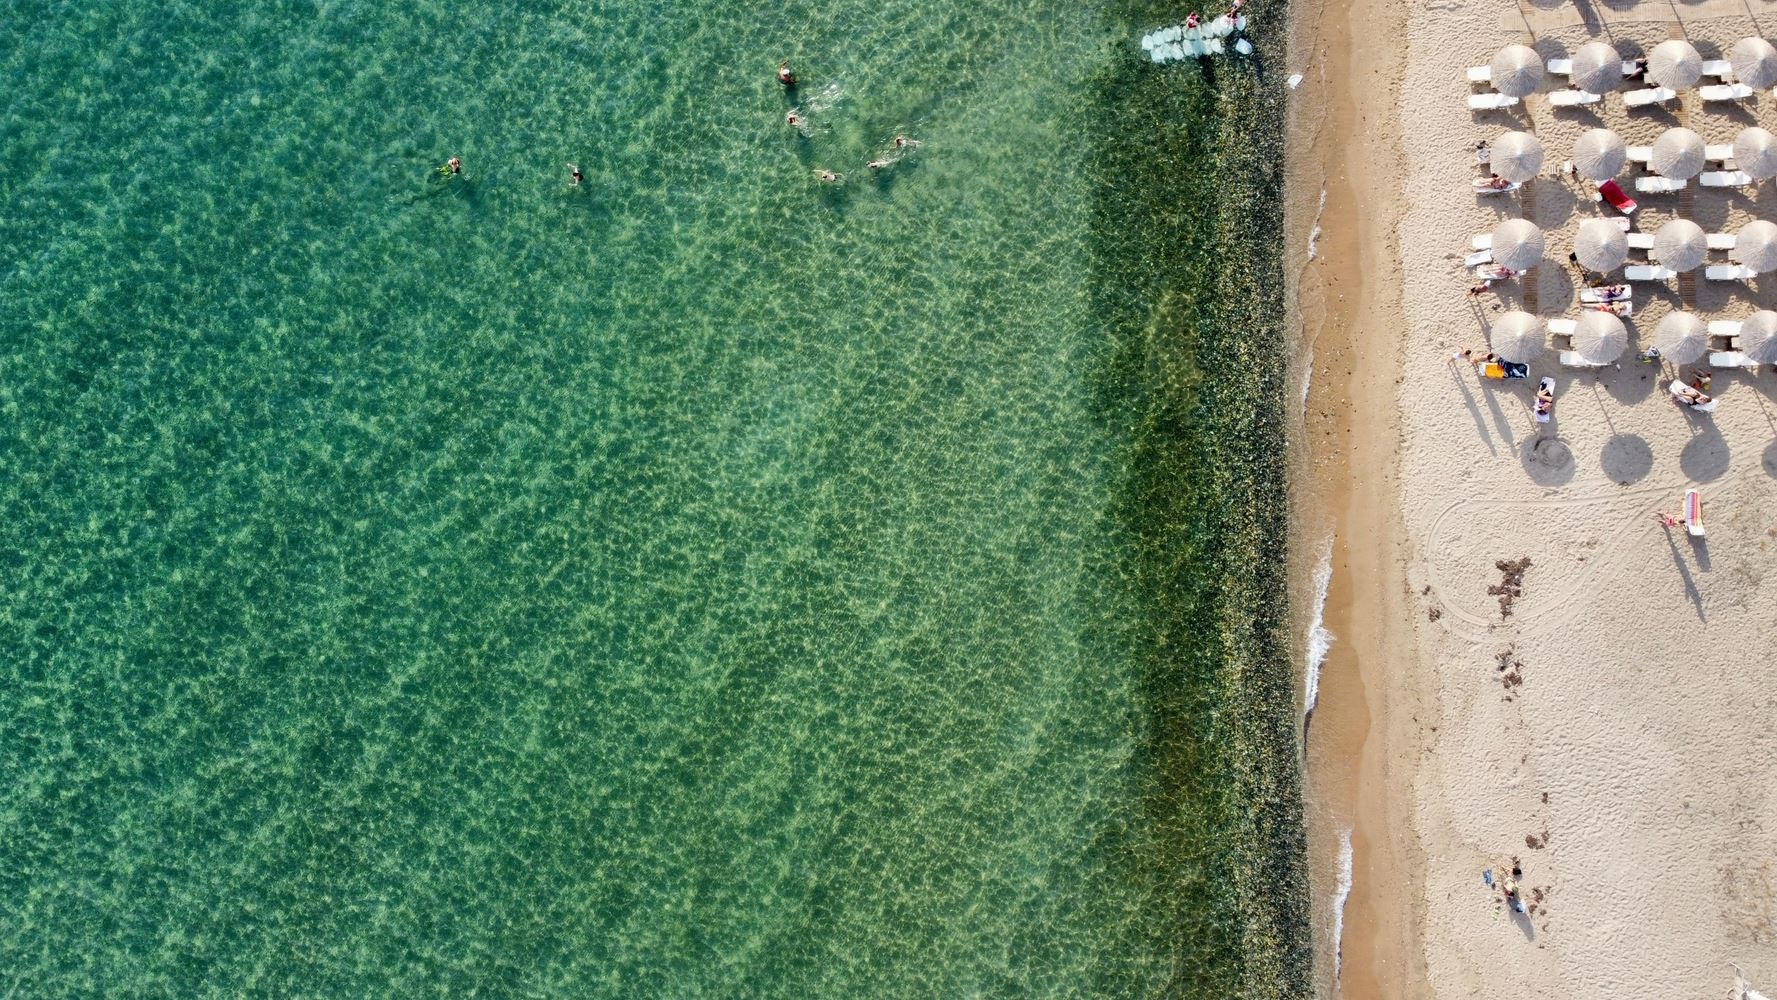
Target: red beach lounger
(1618,199)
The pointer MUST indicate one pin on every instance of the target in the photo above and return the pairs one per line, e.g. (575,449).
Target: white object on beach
(1481,241)
(1725,328)
(1478,258)
(1719,241)
(1243,46)
(1485,186)
(1660,185)
(1639,154)
(1573,359)
(1725,92)
(1561,67)
(1600,245)
(1731,359)
(1729,272)
(1295,80)
(1678,153)
(1643,98)
(1755,63)
(1517,244)
(1568,98)
(1643,273)
(1639,241)
(1517,336)
(1755,152)
(1693,512)
(1718,151)
(1718,68)
(1490,102)
(1480,74)
(1678,390)
(1724,178)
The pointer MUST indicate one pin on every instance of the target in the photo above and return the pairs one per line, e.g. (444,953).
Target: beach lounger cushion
(1643,98)
(1481,241)
(1729,272)
(1561,327)
(1719,241)
(1725,92)
(1640,241)
(1718,151)
(1572,359)
(1480,74)
(1478,258)
(1731,359)
(1572,98)
(1490,102)
(1560,67)
(1659,185)
(1724,178)
(1643,273)
(1724,328)
(1718,68)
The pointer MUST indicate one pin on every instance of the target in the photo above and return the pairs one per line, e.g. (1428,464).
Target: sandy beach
(1612,736)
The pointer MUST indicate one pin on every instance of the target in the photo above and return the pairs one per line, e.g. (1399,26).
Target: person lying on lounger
(1545,401)
(1497,182)
(1691,396)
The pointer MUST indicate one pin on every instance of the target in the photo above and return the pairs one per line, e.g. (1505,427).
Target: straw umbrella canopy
(1758,337)
(1517,337)
(1600,154)
(1755,245)
(1597,68)
(1516,71)
(1599,337)
(1600,245)
(1755,152)
(1678,154)
(1516,156)
(1681,338)
(1680,245)
(1517,244)
(1755,62)
(1675,64)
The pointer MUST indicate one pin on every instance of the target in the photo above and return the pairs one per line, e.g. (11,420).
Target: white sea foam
(1341,893)
(1314,234)
(1319,638)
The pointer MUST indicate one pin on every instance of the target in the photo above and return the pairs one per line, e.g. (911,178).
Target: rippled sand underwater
(702,580)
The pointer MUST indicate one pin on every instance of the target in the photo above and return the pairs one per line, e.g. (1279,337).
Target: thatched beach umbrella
(1675,64)
(1758,337)
(1681,338)
(1516,71)
(1517,337)
(1755,152)
(1755,245)
(1599,154)
(1599,337)
(1516,156)
(1681,245)
(1597,69)
(1517,244)
(1678,154)
(1754,61)
(1600,245)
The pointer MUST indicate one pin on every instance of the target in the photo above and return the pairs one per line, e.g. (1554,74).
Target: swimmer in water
(794,120)
(784,76)
(455,165)
(902,142)
(878,164)
(574,171)
(827,175)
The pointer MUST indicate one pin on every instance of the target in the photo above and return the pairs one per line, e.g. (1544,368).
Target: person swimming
(784,75)
(827,175)
(902,142)
(795,120)
(455,164)
(879,164)
(574,172)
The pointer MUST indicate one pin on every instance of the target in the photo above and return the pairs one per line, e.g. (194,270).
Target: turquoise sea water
(699,582)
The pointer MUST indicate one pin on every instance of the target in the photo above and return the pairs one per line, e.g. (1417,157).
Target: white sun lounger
(1639,272)
(1572,359)
(1482,187)
(1480,74)
(1481,241)
(1561,327)
(1729,328)
(1640,241)
(1478,258)
(1642,98)
(1719,241)
(1560,67)
(1678,388)
(1639,154)
(1724,178)
(1725,92)
(1659,185)
(1721,69)
(1731,359)
(1490,102)
(1596,295)
(1629,69)
(1571,98)
(1729,272)
(1720,152)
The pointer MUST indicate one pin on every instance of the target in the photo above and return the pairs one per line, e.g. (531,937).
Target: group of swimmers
(453,167)
(796,119)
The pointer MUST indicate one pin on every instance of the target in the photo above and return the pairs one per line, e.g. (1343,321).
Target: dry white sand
(1626,755)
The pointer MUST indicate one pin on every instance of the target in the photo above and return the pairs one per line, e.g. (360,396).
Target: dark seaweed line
(1188,276)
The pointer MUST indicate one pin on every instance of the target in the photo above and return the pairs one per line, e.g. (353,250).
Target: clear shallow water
(699,582)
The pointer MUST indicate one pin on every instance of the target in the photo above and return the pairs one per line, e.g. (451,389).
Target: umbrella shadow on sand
(1627,459)
(1548,460)
(1706,457)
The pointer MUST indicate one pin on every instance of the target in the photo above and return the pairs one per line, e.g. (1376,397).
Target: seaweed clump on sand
(1187,275)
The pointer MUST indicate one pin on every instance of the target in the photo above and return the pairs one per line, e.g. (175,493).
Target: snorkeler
(577,175)
(452,167)
(784,76)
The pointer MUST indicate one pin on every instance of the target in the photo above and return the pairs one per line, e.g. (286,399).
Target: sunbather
(1497,182)
(1545,400)
(1691,396)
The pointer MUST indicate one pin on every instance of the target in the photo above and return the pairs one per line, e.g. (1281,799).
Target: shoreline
(1344,485)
